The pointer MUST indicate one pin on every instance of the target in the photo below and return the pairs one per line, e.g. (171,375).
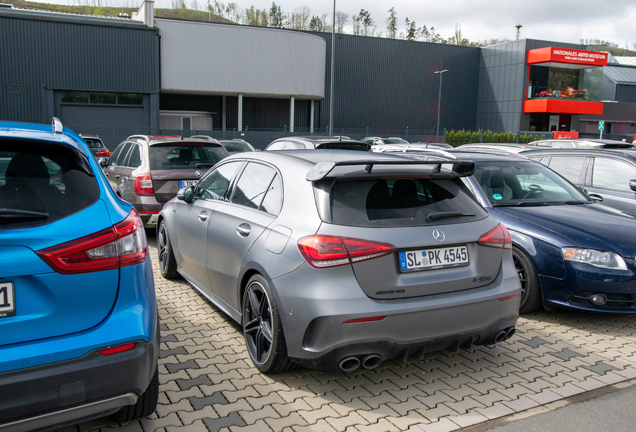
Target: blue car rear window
(42,182)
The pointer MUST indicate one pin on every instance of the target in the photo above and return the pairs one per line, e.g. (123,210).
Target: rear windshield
(42,182)
(94,143)
(237,147)
(184,156)
(398,202)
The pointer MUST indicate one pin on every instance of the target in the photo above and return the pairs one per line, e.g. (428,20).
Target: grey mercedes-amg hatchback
(343,259)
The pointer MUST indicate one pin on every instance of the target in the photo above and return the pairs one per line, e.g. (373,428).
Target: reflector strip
(117,349)
(508,298)
(359,320)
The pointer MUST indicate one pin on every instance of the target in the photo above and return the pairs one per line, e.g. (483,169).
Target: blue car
(570,251)
(79,329)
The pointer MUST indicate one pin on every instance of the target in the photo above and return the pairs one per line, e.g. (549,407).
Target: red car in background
(569,92)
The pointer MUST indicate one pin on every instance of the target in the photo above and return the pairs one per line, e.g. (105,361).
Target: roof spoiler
(459,168)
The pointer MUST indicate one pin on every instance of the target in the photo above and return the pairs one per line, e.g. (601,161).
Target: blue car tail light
(123,245)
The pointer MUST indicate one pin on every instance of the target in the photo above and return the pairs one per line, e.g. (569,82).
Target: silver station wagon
(337,259)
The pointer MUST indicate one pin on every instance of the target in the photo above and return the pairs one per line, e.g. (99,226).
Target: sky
(479,20)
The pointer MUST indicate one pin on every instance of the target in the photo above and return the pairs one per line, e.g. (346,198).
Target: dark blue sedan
(570,251)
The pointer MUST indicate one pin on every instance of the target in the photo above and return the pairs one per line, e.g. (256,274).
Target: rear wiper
(17,213)
(444,215)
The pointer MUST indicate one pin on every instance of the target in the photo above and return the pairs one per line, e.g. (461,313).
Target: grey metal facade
(390,84)
(503,77)
(44,54)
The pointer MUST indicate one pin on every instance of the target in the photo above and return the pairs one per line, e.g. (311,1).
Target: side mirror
(632,184)
(186,194)
(103,163)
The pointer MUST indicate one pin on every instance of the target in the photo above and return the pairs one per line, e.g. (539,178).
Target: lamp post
(439,101)
(333,47)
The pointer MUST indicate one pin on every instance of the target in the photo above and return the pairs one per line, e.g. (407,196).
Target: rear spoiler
(459,168)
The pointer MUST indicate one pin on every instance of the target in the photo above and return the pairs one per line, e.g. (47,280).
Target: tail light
(123,245)
(143,184)
(498,237)
(104,152)
(322,251)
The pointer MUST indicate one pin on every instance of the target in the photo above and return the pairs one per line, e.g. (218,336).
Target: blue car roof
(42,132)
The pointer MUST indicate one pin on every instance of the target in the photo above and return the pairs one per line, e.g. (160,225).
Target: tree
(276,16)
(234,12)
(300,18)
(316,24)
(342,19)
(356,24)
(391,24)
(411,30)
(366,22)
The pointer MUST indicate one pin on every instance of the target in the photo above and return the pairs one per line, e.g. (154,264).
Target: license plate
(7,300)
(186,183)
(432,259)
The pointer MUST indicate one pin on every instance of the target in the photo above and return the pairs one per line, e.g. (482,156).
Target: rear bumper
(313,311)
(65,392)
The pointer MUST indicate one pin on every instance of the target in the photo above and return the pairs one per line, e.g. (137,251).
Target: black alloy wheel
(167,261)
(262,328)
(530,290)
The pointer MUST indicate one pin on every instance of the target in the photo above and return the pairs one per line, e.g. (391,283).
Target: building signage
(567,55)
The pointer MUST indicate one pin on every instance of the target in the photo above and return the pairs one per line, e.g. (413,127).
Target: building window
(102,98)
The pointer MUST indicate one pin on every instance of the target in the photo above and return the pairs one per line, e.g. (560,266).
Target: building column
(311,117)
(224,113)
(291,113)
(240,112)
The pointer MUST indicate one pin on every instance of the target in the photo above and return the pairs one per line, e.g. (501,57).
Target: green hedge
(467,137)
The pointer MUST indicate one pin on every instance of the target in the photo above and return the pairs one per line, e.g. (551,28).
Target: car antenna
(341,131)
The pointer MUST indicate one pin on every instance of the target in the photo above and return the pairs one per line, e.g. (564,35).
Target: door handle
(203,216)
(243,230)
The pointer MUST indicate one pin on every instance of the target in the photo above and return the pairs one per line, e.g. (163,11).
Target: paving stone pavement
(208,384)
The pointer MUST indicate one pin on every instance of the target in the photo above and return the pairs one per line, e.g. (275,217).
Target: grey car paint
(427,310)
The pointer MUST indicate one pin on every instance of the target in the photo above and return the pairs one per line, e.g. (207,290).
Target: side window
(273,201)
(121,157)
(277,146)
(252,185)
(116,152)
(612,174)
(214,185)
(569,167)
(135,157)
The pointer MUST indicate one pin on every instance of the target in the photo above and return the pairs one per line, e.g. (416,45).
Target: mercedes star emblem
(198,174)
(439,235)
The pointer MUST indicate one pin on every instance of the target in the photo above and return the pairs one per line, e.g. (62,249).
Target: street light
(333,48)
(439,101)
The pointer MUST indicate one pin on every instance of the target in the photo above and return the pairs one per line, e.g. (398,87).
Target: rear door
(235,225)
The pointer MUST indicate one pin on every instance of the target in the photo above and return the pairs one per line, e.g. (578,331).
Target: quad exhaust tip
(349,364)
(371,361)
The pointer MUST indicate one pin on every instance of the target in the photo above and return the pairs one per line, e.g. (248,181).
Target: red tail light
(104,152)
(322,251)
(123,245)
(498,237)
(143,184)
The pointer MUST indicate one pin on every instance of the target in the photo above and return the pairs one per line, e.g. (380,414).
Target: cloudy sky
(553,20)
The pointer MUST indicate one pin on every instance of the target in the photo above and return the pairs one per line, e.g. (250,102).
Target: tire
(530,289)
(167,262)
(146,403)
(556,93)
(262,328)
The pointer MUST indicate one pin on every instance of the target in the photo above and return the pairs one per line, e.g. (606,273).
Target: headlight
(608,260)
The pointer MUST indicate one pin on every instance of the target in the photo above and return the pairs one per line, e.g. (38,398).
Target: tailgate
(166,183)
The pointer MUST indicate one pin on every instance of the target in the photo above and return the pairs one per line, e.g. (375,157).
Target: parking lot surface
(207,382)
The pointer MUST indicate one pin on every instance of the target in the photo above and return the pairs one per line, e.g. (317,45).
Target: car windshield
(395,141)
(237,146)
(184,156)
(519,183)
